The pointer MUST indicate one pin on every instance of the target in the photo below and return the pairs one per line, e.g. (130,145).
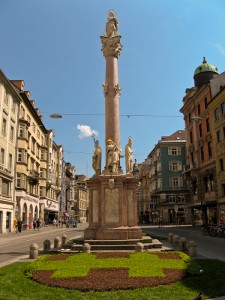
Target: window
(12,133)
(4,125)
(38,134)
(176,181)
(218,136)
(205,102)
(37,150)
(202,153)
(189,118)
(33,127)
(223,189)
(2,158)
(221,165)
(33,145)
(14,106)
(18,180)
(10,162)
(210,149)
(175,165)
(22,131)
(22,112)
(191,137)
(207,125)
(216,114)
(5,187)
(223,109)
(199,109)
(200,130)
(20,154)
(28,119)
(174,151)
(6,98)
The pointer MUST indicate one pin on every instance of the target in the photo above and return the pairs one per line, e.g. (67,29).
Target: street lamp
(56,116)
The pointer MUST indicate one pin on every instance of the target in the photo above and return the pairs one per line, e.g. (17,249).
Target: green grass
(139,264)
(14,284)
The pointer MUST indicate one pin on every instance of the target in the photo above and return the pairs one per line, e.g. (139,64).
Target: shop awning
(66,214)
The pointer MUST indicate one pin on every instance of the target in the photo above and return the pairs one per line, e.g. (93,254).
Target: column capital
(111,46)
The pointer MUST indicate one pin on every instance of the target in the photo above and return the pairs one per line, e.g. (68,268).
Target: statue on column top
(112,24)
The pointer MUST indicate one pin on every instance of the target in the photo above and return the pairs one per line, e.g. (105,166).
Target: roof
(205,67)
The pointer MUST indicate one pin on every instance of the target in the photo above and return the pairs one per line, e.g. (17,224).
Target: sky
(55,47)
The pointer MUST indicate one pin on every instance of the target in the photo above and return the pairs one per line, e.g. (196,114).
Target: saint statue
(111,25)
(129,156)
(112,156)
(96,158)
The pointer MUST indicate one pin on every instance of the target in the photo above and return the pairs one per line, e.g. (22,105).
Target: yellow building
(38,165)
(9,108)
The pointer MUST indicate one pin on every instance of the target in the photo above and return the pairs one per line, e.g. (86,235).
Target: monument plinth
(112,195)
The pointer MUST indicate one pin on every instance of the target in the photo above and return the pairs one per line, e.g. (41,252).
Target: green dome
(205,67)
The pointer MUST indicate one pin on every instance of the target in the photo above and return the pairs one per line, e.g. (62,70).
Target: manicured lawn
(14,284)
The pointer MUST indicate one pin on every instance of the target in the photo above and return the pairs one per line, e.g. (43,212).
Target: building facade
(217,106)
(200,169)
(38,164)
(9,110)
(169,192)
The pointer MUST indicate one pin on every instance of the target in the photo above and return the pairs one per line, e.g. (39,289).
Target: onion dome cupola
(204,73)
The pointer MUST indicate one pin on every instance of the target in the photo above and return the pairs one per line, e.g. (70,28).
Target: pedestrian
(38,224)
(15,225)
(34,224)
(19,225)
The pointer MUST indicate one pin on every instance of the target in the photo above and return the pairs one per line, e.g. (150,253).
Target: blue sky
(54,46)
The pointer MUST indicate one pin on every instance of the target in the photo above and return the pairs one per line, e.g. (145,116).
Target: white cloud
(86,131)
(220,48)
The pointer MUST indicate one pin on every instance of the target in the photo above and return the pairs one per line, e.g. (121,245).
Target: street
(14,246)
(207,246)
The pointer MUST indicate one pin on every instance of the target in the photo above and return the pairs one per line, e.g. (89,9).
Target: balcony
(33,177)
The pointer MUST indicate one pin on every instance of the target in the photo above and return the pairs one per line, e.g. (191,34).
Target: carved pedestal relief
(112,205)
(95,206)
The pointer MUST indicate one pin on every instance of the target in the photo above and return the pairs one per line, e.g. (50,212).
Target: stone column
(111,49)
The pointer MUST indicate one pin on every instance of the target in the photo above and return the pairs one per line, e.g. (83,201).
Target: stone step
(144,240)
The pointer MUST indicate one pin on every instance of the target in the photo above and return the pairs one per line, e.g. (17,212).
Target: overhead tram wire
(121,115)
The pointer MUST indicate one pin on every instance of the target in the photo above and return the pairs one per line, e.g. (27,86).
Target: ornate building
(200,169)
(217,106)
(38,164)
(9,109)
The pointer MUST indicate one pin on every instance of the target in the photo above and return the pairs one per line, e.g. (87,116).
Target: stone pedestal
(112,208)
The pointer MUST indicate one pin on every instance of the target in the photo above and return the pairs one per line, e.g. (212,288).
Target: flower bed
(137,274)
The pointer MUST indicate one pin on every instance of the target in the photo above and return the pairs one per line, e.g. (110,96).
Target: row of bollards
(34,249)
(182,245)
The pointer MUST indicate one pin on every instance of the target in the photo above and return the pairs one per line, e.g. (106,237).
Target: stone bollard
(64,239)
(86,248)
(176,240)
(170,237)
(56,242)
(182,244)
(192,249)
(139,247)
(33,251)
(46,245)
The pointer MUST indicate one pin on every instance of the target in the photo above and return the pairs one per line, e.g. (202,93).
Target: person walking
(38,224)
(19,225)
(15,225)
(34,224)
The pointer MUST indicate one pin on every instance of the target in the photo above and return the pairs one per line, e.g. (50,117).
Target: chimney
(19,84)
